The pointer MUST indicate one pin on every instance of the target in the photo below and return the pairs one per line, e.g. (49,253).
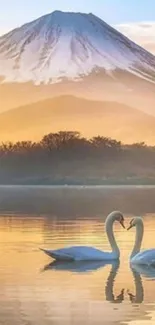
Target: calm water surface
(35,291)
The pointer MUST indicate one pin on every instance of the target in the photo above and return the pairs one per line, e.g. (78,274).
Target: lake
(35,291)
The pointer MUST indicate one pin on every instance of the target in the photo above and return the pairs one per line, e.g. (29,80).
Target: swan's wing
(88,253)
(145,257)
(78,253)
(58,254)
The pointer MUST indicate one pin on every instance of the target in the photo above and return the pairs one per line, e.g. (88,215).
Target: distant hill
(91,118)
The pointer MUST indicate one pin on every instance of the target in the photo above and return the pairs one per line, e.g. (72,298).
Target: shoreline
(84,186)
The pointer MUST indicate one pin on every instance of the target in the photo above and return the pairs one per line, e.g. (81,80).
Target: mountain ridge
(69,45)
(79,55)
(90,118)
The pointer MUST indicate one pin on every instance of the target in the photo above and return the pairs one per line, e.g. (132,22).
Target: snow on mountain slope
(62,45)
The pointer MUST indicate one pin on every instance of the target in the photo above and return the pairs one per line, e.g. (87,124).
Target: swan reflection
(139,291)
(109,288)
(147,271)
(76,266)
(85,266)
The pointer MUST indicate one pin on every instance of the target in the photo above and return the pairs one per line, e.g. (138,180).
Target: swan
(146,257)
(86,253)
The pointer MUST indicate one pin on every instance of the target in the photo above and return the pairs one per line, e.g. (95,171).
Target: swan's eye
(120,217)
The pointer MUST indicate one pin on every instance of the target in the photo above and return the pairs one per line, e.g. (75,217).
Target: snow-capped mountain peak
(69,45)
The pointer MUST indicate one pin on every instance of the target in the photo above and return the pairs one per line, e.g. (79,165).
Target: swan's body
(146,257)
(86,253)
(80,253)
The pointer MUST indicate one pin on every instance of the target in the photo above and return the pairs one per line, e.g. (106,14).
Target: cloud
(142,33)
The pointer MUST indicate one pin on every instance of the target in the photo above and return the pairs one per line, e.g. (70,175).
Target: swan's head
(118,216)
(134,222)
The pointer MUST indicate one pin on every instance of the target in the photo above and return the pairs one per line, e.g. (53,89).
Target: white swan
(146,257)
(86,253)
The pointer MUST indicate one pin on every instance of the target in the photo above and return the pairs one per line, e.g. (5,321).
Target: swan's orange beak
(122,223)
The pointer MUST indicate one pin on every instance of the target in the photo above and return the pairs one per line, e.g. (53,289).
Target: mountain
(74,54)
(89,117)
(70,46)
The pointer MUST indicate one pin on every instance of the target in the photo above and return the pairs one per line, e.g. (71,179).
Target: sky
(14,13)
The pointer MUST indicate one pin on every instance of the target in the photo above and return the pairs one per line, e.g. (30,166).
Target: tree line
(68,154)
(69,142)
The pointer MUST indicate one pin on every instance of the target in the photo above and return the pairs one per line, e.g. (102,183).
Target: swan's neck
(110,282)
(138,240)
(109,230)
(139,287)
